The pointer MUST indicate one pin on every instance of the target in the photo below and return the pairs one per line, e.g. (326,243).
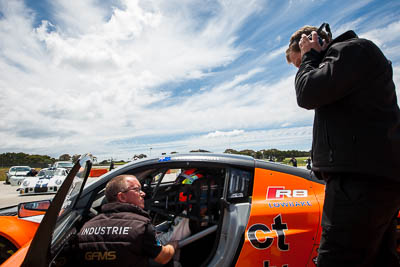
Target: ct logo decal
(266,264)
(277,226)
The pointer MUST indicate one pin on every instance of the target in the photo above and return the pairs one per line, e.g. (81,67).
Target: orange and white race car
(242,211)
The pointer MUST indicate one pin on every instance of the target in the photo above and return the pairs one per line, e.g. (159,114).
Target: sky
(122,77)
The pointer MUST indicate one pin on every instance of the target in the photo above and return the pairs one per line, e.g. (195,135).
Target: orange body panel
(284,224)
(18,231)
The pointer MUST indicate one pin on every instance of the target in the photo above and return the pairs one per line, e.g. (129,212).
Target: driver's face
(133,194)
(295,58)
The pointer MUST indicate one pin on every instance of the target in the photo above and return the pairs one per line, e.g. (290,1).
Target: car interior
(191,193)
(194,194)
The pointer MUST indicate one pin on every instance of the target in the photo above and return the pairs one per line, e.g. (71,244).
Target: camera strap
(327,29)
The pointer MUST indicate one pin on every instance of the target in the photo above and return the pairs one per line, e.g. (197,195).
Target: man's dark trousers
(359,221)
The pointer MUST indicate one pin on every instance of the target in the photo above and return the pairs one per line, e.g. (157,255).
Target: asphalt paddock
(9,196)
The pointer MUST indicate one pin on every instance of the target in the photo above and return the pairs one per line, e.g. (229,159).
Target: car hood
(18,173)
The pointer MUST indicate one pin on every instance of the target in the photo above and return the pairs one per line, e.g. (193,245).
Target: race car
(63,164)
(47,181)
(17,174)
(243,212)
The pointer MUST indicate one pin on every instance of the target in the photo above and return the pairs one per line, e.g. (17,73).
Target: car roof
(197,157)
(19,167)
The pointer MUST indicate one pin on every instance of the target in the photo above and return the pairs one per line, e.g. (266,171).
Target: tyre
(6,249)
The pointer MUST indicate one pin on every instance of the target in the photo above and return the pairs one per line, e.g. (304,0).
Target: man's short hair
(295,39)
(116,185)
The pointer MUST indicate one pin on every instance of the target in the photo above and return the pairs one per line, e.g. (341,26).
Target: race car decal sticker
(251,233)
(278,227)
(290,204)
(266,264)
(279,192)
(162,159)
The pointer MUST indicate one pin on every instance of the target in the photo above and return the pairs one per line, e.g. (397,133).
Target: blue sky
(118,77)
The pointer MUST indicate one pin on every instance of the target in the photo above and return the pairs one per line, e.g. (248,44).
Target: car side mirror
(33,208)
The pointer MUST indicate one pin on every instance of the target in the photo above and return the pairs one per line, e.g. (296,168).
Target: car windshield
(46,173)
(22,169)
(60,172)
(65,164)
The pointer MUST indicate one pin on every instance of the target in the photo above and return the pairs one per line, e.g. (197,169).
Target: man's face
(133,193)
(295,58)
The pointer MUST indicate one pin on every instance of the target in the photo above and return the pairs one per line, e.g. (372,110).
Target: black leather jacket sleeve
(326,77)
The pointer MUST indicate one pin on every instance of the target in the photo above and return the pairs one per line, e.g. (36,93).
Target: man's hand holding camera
(306,43)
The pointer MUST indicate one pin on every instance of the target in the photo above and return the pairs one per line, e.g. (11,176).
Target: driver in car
(122,235)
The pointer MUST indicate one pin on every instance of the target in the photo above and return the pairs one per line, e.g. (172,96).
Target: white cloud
(223,134)
(384,35)
(95,77)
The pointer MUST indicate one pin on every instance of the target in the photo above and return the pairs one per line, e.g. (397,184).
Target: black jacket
(120,236)
(357,119)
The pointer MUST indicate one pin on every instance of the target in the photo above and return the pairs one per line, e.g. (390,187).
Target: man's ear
(121,197)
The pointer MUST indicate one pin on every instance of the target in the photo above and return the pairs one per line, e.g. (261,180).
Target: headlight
(58,182)
(25,183)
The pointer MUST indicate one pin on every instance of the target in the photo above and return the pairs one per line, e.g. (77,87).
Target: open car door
(38,252)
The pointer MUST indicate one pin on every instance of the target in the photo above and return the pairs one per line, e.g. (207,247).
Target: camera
(320,41)
(324,25)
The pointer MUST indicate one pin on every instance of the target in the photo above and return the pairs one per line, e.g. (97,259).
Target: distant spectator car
(47,181)
(63,164)
(16,174)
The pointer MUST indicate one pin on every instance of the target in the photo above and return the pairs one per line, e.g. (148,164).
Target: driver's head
(125,189)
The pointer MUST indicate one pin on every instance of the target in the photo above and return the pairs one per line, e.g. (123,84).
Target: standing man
(293,160)
(348,82)
(122,235)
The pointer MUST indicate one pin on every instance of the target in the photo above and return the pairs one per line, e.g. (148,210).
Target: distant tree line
(41,161)
(67,157)
(108,162)
(35,161)
(274,154)
(199,150)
